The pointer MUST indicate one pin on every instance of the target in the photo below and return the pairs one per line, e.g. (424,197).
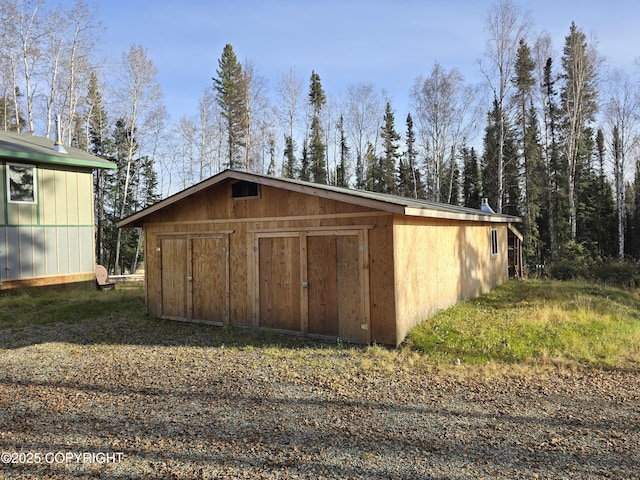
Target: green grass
(520,323)
(537,322)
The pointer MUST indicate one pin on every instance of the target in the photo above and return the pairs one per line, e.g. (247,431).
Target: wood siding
(439,263)
(307,264)
(276,243)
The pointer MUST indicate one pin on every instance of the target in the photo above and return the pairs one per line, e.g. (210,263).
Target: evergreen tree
(305,167)
(530,154)
(450,190)
(317,147)
(289,168)
(510,171)
(595,209)
(554,229)
(578,100)
(372,173)
(99,145)
(471,183)
(405,179)
(632,243)
(231,92)
(414,185)
(8,113)
(341,172)
(385,180)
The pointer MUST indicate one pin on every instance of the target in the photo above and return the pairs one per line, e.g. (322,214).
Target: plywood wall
(276,210)
(442,264)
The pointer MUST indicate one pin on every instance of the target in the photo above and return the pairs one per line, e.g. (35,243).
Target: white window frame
(494,242)
(34,185)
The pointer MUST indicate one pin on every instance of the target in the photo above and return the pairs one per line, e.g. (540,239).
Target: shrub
(574,262)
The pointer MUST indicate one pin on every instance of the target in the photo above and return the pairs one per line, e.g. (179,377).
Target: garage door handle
(305,285)
(189,279)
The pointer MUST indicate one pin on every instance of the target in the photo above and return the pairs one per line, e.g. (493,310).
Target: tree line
(550,138)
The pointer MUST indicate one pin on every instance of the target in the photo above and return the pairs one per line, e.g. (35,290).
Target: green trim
(27,225)
(6,194)
(57,160)
(15,146)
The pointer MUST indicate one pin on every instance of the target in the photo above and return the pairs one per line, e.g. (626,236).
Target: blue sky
(386,43)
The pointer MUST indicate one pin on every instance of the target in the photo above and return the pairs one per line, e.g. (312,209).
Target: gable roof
(15,146)
(378,201)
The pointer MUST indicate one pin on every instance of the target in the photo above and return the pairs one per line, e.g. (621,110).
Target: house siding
(53,237)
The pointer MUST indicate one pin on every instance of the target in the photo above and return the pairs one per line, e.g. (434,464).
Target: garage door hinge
(255,248)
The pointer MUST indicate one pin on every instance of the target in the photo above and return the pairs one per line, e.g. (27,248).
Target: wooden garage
(271,253)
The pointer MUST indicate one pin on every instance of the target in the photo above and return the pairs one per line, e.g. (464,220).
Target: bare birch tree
(30,33)
(138,102)
(365,109)
(622,113)
(446,112)
(9,62)
(506,25)
(289,93)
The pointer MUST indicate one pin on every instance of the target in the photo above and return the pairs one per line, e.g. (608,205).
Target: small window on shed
(21,183)
(244,189)
(494,242)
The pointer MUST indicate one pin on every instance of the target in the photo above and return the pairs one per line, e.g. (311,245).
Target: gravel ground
(187,412)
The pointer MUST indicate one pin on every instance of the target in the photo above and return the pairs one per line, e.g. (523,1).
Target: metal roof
(29,148)
(378,201)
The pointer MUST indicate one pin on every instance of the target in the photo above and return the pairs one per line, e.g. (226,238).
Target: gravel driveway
(69,410)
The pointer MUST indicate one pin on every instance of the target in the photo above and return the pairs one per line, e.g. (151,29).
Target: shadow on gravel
(303,435)
(31,317)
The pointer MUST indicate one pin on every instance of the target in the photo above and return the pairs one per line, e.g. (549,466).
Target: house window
(494,242)
(21,183)
(244,189)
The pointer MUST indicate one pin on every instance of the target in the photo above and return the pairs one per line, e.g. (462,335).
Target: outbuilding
(258,251)
(47,224)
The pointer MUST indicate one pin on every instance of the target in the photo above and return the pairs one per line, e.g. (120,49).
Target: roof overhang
(28,148)
(387,203)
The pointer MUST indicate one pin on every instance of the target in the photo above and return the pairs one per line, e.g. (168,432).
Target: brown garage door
(314,282)
(194,277)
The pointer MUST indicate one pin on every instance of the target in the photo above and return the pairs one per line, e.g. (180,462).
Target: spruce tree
(289,167)
(530,154)
(231,92)
(99,145)
(385,182)
(317,147)
(305,167)
(578,99)
(415,186)
(632,243)
(510,199)
(471,184)
(554,229)
(341,171)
